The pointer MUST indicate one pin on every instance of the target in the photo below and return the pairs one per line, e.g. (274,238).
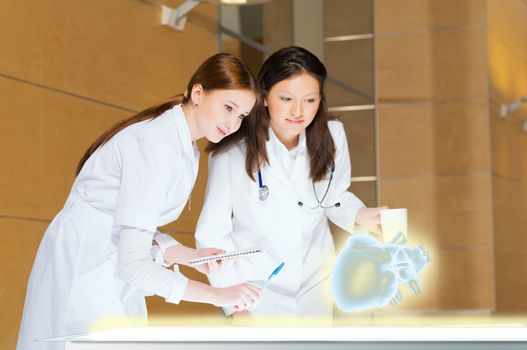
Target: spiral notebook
(229,255)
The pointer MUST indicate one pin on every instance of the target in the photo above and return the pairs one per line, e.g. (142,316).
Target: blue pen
(275,272)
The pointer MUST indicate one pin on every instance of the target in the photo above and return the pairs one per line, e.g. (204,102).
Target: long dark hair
(221,71)
(285,64)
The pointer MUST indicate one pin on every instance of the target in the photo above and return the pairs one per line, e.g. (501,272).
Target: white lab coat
(234,218)
(140,179)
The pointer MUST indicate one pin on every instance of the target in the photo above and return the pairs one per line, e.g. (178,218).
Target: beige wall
(351,62)
(68,70)
(507,51)
(277,16)
(434,143)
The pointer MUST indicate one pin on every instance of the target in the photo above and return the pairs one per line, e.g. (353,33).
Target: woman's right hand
(241,296)
(370,219)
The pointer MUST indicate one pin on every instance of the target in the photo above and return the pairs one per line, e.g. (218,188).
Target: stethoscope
(263,192)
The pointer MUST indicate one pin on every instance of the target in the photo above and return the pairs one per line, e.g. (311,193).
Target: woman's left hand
(212,265)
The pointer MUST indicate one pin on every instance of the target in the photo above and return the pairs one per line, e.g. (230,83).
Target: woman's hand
(370,219)
(211,265)
(180,254)
(241,296)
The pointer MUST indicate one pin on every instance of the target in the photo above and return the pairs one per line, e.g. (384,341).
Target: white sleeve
(135,266)
(147,172)
(164,241)
(344,215)
(215,221)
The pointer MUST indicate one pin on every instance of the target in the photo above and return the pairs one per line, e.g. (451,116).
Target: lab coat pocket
(97,235)
(94,298)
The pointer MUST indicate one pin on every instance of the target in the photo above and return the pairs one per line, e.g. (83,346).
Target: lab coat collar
(189,148)
(277,149)
(275,146)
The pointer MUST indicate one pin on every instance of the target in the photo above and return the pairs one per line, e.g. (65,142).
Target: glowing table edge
(219,337)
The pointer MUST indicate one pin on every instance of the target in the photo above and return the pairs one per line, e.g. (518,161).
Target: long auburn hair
(221,71)
(284,64)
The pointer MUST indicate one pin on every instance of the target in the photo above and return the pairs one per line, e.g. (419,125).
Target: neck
(288,141)
(190,117)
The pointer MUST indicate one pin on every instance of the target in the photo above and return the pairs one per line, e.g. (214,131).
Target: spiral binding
(224,256)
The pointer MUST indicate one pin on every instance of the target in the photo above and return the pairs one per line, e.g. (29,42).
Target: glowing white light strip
(264,334)
(364,178)
(348,37)
(351,108)
(234,2)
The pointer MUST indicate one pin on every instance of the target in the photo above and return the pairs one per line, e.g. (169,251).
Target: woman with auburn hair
(289,171)
(102,254)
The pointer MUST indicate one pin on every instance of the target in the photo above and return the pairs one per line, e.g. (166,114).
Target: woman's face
(220,112)
(292,104)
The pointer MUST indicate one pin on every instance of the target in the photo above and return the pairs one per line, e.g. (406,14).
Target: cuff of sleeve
(228,310)
(345,215)
(351,223)
(164,242)
(178,288)
(137,218)
(157,255)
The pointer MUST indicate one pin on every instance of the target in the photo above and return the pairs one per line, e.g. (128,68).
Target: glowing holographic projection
(368,273)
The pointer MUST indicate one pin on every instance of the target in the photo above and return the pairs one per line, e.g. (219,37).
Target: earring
(194,105)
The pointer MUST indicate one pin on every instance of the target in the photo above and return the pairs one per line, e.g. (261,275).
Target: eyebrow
(290,93)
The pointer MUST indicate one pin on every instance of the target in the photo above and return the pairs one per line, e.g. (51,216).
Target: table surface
(303,334)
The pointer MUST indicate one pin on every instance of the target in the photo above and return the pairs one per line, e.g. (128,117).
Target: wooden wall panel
(358,18)
(118,52)
(434,143)
(443,64)
(511,283)
(70,125)
(21,40)
(20,149)
(422,15)
(508,82)
(446,211)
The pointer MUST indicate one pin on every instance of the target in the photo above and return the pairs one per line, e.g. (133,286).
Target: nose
(230,124)
(227,127)
(296,110)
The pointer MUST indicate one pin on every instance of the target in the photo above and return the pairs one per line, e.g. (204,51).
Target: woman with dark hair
(289,172)
(102,254)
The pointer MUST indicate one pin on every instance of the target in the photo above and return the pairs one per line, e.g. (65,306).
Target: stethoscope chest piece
(263,193)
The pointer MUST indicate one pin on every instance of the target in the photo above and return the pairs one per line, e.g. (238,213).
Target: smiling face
(293,104)
(220,112)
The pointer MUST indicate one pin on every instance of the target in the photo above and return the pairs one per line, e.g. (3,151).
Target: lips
(294,121)
(221,132)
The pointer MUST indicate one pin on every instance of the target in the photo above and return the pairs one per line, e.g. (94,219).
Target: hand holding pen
(274,273)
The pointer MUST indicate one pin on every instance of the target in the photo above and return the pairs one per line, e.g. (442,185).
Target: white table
(301,338)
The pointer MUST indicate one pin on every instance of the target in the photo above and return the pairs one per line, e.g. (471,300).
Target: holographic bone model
(368,273)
